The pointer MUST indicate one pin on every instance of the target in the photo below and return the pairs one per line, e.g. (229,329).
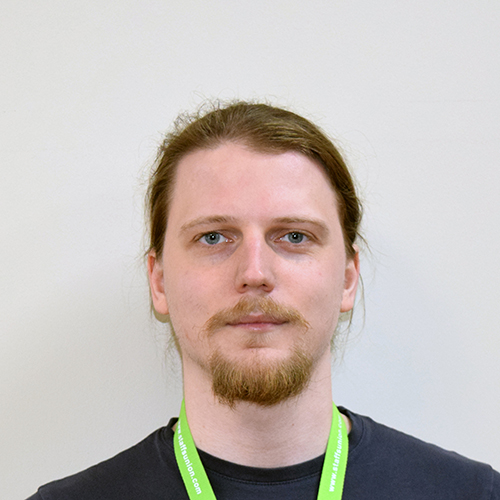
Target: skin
(247,224)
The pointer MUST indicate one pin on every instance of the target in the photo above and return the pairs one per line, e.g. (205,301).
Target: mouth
(256,314)
(257,322)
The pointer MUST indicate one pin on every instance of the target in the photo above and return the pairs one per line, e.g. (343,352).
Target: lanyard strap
(196,480)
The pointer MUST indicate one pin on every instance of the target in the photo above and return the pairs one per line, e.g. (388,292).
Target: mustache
(255,305)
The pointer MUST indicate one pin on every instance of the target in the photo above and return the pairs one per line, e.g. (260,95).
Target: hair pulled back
(262,128)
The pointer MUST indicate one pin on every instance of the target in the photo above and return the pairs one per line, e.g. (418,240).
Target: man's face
(243,228)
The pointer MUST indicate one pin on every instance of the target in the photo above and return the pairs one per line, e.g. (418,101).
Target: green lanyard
(197,483)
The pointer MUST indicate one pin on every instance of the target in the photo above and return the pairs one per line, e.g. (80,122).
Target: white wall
(410,89)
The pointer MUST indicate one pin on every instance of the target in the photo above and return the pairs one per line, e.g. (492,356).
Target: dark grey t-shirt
(383,464)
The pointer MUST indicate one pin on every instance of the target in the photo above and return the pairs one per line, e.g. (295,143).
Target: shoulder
(392,461)
(146,470)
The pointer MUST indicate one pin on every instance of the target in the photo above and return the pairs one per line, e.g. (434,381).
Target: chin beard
(262,383)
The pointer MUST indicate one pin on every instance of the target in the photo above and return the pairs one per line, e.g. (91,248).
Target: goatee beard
(265,383)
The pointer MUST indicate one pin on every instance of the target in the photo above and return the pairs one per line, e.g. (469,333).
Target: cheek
(325,296)
(192,298)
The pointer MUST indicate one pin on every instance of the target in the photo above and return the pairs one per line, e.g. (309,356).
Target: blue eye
(211,238)
(294,237)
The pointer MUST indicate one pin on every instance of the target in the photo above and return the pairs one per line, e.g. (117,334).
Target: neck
(288,433)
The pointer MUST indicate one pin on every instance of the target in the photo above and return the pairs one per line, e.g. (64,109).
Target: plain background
(410,90)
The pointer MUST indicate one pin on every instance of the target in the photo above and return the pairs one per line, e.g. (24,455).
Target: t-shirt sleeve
(495,487)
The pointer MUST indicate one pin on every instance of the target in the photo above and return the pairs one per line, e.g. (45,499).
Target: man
(254,220)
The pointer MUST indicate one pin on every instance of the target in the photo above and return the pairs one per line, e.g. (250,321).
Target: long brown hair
(263,128)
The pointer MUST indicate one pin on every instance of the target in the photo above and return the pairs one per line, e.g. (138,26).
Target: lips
(256,321)
(257,314)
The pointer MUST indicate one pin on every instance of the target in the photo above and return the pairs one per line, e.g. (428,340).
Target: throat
(259,434)
(254,436)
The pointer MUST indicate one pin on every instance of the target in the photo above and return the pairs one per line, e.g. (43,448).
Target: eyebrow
(203,221)
(222,219)
(304,220)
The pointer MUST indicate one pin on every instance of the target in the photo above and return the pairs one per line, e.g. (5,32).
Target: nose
(255,265)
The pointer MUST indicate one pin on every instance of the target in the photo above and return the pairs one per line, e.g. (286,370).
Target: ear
(157,284)
(351,278)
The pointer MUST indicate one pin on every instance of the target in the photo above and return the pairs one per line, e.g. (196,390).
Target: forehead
(234,180)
